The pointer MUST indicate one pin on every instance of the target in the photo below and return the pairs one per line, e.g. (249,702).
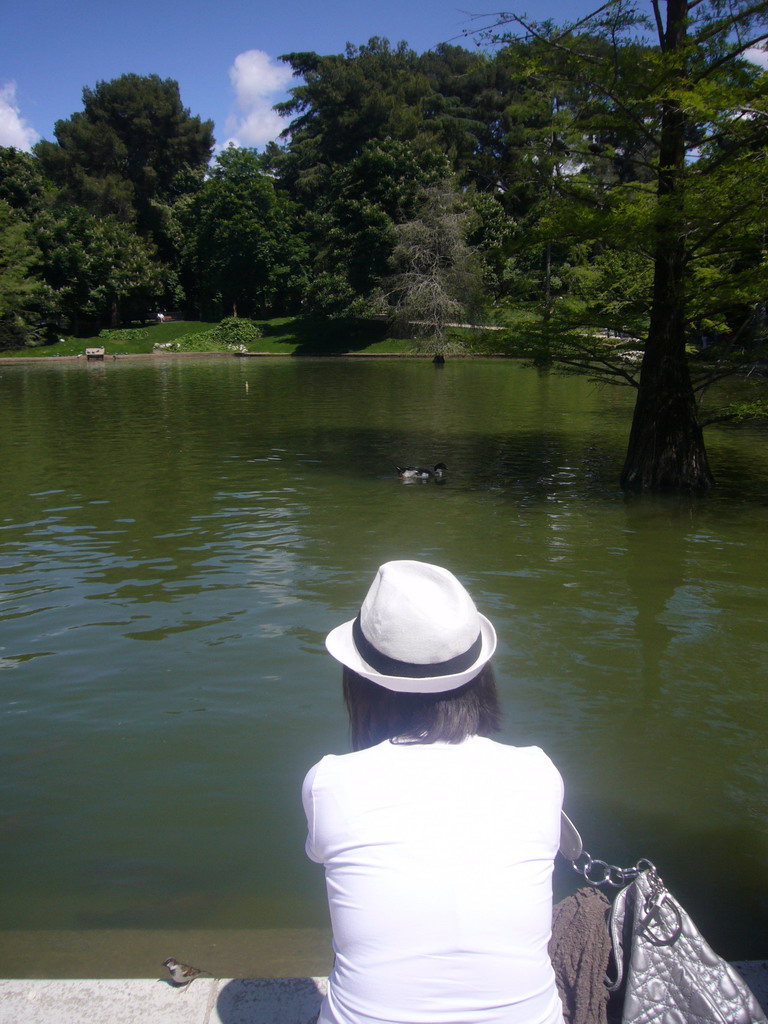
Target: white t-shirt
(438,861)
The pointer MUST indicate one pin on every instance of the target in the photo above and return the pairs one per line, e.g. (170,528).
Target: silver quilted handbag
(666,971)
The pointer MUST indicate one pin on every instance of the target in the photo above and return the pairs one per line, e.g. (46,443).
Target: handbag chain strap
(599,872)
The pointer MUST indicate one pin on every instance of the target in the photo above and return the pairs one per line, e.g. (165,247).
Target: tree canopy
(678,134)
(25,301)
(129,149)
(247,248)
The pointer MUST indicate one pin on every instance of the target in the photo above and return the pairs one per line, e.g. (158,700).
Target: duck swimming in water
(418,473)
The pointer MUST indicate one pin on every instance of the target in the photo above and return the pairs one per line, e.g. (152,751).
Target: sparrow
(182,974)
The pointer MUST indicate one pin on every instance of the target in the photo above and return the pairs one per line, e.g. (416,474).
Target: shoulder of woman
(533,758)
(320,766)
(532,753)
(328,764)
(348,766)
(539,757)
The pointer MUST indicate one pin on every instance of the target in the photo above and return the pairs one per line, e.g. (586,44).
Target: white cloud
(258,82)
(758,56)
(14,129)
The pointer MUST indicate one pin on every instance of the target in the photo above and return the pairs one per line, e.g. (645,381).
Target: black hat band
(387,666)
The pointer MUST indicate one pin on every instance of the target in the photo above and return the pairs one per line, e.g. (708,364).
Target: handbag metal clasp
(655,927)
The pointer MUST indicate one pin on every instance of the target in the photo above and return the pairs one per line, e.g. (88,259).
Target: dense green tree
(490,231)
(247,251)
(540,151)
(346,100)
(23,184)
(26,304)
(352,224)
(98,267)
(694,108)
(136,155)
(377,92)
(129,151)
(372,127)
(448,100)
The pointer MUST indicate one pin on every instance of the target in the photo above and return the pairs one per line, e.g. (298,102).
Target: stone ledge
(140,1000)
(755,973)
(205,1001)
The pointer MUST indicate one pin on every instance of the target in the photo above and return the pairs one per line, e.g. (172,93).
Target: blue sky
(221,52)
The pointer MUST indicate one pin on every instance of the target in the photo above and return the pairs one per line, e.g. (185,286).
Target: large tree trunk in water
(666,446)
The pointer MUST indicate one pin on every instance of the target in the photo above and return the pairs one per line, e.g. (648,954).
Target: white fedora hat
(418,631)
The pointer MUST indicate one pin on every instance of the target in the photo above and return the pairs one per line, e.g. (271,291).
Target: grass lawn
(281,336)
(121,341)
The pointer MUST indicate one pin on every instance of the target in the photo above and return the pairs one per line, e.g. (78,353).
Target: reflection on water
(177,537)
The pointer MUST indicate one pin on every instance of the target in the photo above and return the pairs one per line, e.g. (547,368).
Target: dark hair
(377,714)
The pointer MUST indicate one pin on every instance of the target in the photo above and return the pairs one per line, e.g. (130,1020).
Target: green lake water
(176,538)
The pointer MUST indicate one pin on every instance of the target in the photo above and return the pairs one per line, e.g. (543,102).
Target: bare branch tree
(437,282)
